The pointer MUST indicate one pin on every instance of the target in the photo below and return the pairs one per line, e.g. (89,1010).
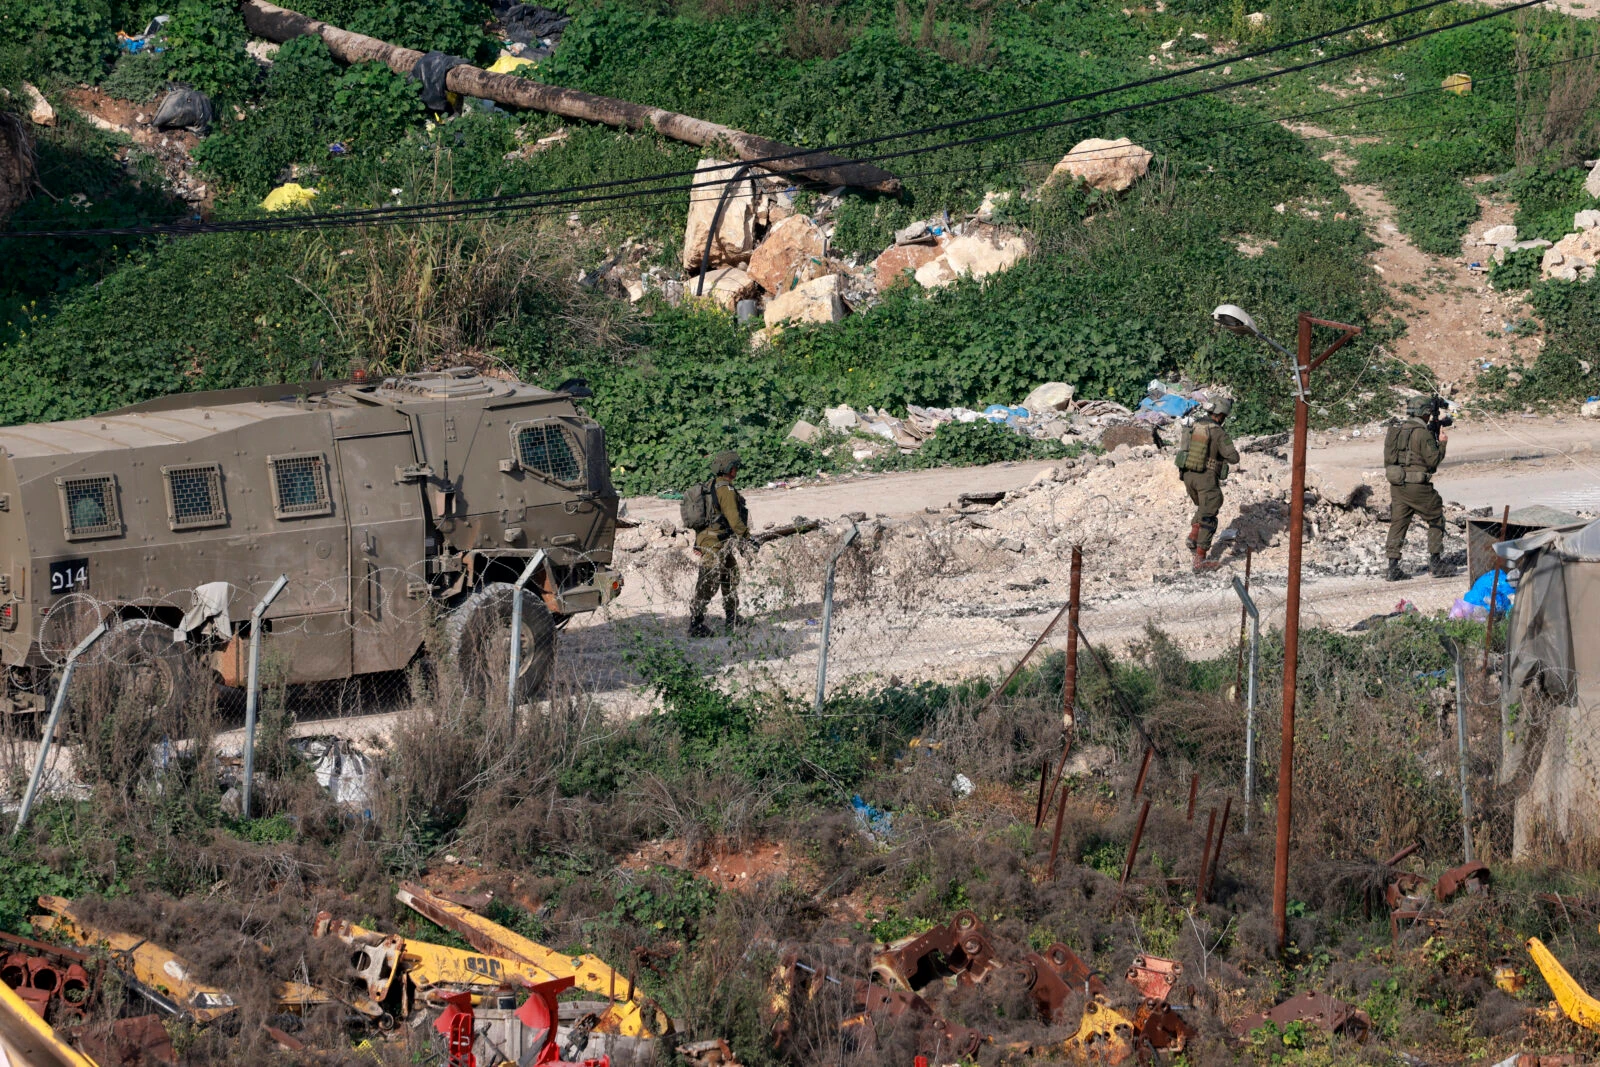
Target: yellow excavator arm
(1580,1007)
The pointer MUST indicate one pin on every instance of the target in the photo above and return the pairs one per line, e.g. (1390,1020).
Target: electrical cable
(401,213)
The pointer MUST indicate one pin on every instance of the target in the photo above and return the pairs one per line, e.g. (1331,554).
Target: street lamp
(1236,320)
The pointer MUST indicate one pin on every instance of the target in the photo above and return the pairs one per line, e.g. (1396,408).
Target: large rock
(1110,166)
(974,256)
(1586,220)
(1500,235)
(1051,396)
(40,113)
(899,260)
(818,300)
(736,233)
(726,287)
(794,251)
(1591,184)
(1573,257)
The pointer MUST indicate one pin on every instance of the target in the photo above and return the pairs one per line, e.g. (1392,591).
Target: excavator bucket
(1578,1005)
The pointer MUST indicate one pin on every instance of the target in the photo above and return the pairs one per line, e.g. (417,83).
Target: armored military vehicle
(386,502)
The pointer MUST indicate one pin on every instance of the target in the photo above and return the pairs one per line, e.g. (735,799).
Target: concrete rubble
(1573,257)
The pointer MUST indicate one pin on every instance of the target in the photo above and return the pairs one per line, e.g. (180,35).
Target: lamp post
(1236,320)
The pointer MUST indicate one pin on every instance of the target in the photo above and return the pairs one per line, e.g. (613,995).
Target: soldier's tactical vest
(1403,464)
(1194,449)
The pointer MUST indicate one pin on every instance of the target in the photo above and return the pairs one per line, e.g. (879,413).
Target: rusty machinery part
(715,1052)
(141,1040)
(1104,1036)
(68,981)
(1326,1013)
(1160,1026)
(1154,977)
(1472,877)
(960,949)
(936,1036)
(428,966)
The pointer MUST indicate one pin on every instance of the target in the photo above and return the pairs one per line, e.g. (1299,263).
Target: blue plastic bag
(1172,405)
(1478,595)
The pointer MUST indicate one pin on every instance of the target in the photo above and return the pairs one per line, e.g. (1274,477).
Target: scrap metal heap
(474,993)
(961,952)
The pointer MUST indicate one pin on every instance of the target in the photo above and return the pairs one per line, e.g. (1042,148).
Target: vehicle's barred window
(548,449)
(91,506)
(301,485)
(195,495)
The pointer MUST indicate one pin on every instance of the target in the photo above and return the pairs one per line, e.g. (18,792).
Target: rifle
(1437,420)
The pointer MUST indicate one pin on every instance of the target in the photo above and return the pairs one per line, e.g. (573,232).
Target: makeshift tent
(1550,692)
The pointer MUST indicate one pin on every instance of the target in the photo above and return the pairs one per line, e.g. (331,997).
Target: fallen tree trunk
(280,24)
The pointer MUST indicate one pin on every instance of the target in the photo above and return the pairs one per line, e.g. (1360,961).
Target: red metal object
(137,1042)
(1314,1009)
(1194,793)
(1144,769)
(1154,977)
(60,983)
(1291,613)
(1216,854)
(456,1023)
(1205,859)
(1472,877)
(1156,1024)
(37,999)
(1138,834)
(960,949)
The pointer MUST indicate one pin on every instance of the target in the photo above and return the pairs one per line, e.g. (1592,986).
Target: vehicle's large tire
(138,666)
(478,633)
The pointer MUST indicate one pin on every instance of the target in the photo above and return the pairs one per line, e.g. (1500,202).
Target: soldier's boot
(732,621)
(697,622)
(1395,573)
(1193,539)
(1437,567)
(1201,564)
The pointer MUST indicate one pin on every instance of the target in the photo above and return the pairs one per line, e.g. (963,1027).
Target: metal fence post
(1249,606)
(1454,649)
(50,727)
(827,615)
(252,695)
(534,563)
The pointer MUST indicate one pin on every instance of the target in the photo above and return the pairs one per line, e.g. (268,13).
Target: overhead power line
(542,198)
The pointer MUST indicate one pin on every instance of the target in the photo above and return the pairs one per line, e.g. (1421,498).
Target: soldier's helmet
(1221,406)
(1419,406)
(724,463)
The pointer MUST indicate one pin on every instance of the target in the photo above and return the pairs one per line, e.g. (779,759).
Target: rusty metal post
(1055,838)
(1044,776)
(1304,365)
(1238,659)
(1216,853)
(1194,791)
(1133,846)
(1069,689)
(1205,860)
(1144,768)
(827,616)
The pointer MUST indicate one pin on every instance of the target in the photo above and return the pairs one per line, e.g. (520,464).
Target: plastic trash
(430,71)
(508,64)
(877,825)
(1172,405)
(962,786)
(184,108)
(288,195)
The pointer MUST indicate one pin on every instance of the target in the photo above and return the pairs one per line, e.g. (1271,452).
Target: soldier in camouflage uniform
(1411,455)
(1203,478)
(716,544)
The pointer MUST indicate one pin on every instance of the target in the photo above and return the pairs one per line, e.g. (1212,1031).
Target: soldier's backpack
(1400,463)
(698,509)
(1194,449)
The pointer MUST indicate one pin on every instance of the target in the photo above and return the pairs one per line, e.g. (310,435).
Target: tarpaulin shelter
(1550,691)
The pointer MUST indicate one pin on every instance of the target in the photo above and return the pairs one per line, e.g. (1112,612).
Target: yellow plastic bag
(289,195)
(507,64)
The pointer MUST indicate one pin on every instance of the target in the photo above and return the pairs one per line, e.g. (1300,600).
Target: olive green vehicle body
(377,499)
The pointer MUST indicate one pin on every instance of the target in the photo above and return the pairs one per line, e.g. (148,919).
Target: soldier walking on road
(727,526)
(1204,453)
(1412,452)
